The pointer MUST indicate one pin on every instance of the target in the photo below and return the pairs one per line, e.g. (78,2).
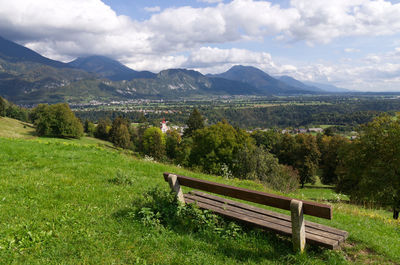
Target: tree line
(342,112)
(10,110)
(366,168)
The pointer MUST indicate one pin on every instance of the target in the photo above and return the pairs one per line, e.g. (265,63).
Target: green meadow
(83,202)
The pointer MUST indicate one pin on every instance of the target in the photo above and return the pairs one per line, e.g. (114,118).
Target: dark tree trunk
(395,214)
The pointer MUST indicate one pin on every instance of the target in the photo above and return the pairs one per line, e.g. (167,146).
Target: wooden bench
(295,226)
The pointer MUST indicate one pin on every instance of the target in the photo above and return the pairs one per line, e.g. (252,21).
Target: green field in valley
(81,202)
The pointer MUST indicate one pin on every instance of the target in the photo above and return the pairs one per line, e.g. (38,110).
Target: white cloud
(322,21)
(153,9)
(93,26)
(184,36)
(215,60)
(351,50)
(155,63)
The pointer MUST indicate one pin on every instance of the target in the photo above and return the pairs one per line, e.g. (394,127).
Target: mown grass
(66,203)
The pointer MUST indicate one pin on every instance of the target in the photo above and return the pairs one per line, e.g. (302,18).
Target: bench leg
(175,187)
(298,227)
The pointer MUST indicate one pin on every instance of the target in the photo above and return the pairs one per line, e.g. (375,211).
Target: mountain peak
(14,52)
(177,71)
(259,79)
(108,68)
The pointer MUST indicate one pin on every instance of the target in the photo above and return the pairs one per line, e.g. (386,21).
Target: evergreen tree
(172,141)
(103,128)
(119,133)
(3,107)
(195,122)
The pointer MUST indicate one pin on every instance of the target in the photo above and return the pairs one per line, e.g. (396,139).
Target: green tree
(137,136)
(154,143)
(256,163)
(330,147)
(195,122)
(216,146)
(183,152)
(103,129)
(57,121)
(370,166)
(172,142)
(302,153)
(307,157)
(119,133)
(268,139)
(89,128)
(3,107)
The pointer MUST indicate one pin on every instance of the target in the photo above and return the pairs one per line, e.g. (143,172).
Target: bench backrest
(277,201)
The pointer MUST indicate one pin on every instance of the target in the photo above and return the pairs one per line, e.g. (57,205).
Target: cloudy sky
(353,44)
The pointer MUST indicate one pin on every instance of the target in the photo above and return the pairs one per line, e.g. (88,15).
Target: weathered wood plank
(270,217)
(335,233)
(298,225)
(283,230)
(175,187)
(310,208)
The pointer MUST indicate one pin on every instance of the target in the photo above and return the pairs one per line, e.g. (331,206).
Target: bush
(159,209)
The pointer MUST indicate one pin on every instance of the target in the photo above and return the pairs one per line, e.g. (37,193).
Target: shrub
(159,209)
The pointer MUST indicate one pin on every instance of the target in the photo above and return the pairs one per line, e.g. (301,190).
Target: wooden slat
(341,233)
(269,217)
(310,208)
(277,228)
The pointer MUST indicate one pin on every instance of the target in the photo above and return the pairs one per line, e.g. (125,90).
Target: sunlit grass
(60,204)
(11,128)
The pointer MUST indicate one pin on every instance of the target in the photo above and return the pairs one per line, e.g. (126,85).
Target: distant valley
(27,78)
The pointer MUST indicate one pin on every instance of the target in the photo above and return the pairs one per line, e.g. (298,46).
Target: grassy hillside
(11,128)
(70,202)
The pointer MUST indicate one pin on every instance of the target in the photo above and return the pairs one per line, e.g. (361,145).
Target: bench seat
(316,234)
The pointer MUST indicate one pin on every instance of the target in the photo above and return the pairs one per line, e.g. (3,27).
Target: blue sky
(352,44)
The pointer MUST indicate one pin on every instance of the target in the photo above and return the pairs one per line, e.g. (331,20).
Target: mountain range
(27,77)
